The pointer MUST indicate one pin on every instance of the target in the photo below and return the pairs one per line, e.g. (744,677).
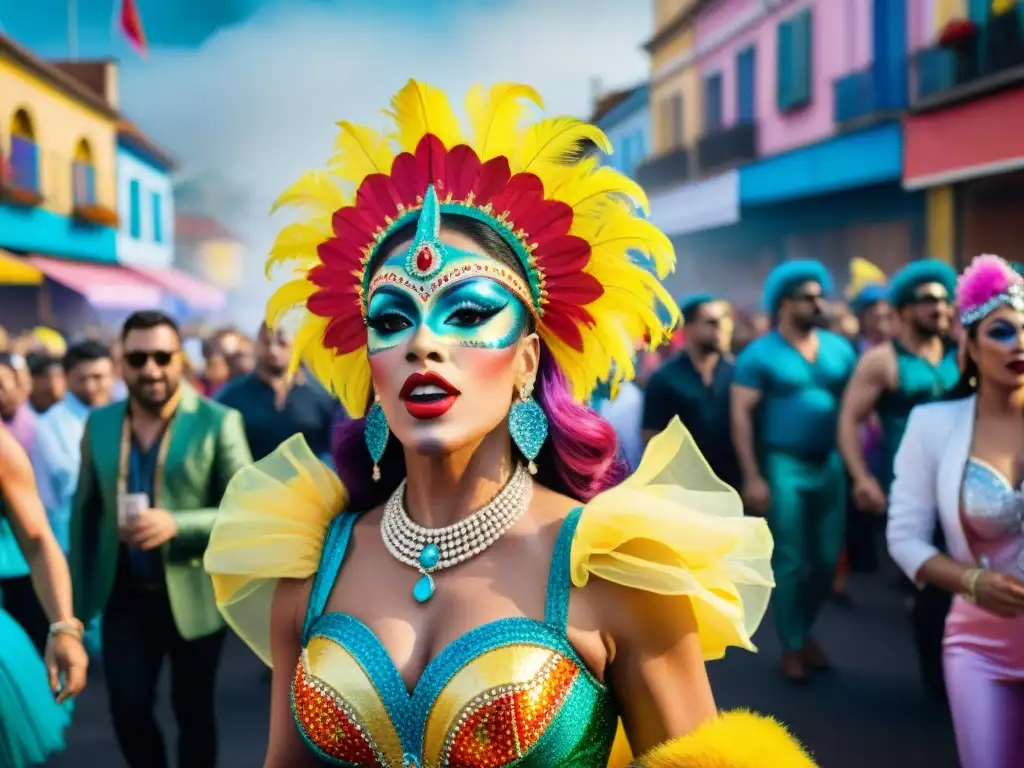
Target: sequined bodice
(513,691)
(993,515)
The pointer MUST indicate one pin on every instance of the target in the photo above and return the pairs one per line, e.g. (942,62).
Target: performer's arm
(742,402)
(194,525)
(285,748)
(50,575)
(870,380)
(657,670)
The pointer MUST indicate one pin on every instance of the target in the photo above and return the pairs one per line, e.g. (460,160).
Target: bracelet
(970,583)
(67,627)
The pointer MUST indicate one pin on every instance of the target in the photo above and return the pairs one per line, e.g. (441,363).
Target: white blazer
(929,470)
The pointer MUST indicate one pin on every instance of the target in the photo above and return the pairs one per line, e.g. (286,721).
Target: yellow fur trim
(737,739)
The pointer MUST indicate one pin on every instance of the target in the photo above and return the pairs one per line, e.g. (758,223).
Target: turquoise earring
(375,432)
(528,426)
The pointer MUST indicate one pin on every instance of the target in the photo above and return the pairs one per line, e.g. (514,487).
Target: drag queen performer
(484,586)
(959,464)
(35,698)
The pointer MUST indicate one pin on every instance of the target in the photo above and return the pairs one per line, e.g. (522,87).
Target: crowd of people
(460,535)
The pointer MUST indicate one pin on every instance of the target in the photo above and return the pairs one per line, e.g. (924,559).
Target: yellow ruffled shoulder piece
(272,523)
(674,528)
(737,739)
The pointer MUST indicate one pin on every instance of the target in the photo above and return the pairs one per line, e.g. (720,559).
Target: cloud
(257,103)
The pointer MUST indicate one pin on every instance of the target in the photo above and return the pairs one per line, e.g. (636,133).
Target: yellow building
(58,145)
(675,83)
(205,249)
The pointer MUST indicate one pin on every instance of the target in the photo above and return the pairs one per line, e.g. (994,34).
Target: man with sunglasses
(919,365)
(785,410)
(694,385)
(153,470)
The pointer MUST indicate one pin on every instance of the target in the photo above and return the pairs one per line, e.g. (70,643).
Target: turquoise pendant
(429,556)
(424,589)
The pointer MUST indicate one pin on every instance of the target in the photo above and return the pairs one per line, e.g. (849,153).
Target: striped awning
(104,286)
(15,270)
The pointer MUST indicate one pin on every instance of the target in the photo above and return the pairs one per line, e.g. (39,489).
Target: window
(24,163)
(672,121)
(83,176)
(135,209)
(713,102)
(157,204)
(746,67)
(794,61)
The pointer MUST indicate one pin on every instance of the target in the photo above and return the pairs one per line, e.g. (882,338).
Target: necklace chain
(456,543)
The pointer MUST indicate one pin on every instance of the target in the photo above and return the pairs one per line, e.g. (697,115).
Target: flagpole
(72,30)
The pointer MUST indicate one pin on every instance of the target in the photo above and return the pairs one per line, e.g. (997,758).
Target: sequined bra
(512,691)
(993,516)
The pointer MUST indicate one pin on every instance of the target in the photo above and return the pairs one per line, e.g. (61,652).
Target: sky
(250,90)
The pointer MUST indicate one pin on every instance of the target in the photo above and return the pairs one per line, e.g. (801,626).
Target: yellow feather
(308,342)
(620,232)
(316,191)
(298,242)
(862,274)
(590,195)
(547,146)
(289,296)
(419,109)
(351,382)
(358,152)
(495,116)
(732,740)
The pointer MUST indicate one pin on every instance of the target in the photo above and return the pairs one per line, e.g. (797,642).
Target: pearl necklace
(433,549)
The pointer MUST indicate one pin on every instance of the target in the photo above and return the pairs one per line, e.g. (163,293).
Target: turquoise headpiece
(917,273)
(430,264)
(788,275)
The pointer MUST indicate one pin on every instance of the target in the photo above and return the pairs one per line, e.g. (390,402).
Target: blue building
(625,117)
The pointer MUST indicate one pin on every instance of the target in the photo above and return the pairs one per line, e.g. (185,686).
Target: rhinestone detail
(329,723)
(501,725)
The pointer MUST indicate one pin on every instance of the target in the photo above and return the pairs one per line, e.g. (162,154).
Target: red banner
(970,140)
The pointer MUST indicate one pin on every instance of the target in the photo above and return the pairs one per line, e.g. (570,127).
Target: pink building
(842,37)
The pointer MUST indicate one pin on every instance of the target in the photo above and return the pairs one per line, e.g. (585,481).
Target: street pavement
(869,712)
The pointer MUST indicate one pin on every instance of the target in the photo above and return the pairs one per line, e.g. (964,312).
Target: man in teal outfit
(918,366)
(785,410)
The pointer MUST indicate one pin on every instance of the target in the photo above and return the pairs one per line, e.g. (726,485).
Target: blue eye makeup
(1003,331)
(474,312)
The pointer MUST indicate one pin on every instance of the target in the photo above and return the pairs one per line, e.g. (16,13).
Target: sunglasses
(808,297)
(138,359)
(930,299)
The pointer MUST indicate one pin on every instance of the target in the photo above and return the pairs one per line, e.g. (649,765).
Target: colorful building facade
(964,131)
(799,151)
(145,200)
(58,143)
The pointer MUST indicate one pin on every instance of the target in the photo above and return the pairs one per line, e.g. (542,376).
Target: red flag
(130,24)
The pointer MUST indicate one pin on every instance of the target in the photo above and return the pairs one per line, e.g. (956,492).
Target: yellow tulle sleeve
(673,528)
(272,523)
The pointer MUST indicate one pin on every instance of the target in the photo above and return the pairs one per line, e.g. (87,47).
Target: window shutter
(802,52)
(784,65)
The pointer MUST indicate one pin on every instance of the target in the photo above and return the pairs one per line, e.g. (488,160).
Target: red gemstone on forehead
(424,259)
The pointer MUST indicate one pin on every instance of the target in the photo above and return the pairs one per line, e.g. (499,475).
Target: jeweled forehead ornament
(431,264)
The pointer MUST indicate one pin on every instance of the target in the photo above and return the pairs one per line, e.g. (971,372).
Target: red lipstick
(428,395)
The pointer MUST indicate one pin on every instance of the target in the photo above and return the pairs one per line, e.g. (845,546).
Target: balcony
(664,170)
(878,90)
(727,147)
(994,54)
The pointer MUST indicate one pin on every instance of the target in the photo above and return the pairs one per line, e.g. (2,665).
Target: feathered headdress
(987,284)
(917,273)
(571,222)
(863,275)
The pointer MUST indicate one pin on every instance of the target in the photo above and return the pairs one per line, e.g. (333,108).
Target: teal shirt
(918,382)
(799,409)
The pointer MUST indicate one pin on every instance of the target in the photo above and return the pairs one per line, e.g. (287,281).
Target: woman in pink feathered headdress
(959,465)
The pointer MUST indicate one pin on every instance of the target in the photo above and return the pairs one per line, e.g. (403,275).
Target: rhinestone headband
(1013,297)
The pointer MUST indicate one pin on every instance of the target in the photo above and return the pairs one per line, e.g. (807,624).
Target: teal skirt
(31,722)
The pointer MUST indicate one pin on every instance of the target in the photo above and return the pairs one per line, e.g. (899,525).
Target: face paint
(1003,331)
(473,312)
